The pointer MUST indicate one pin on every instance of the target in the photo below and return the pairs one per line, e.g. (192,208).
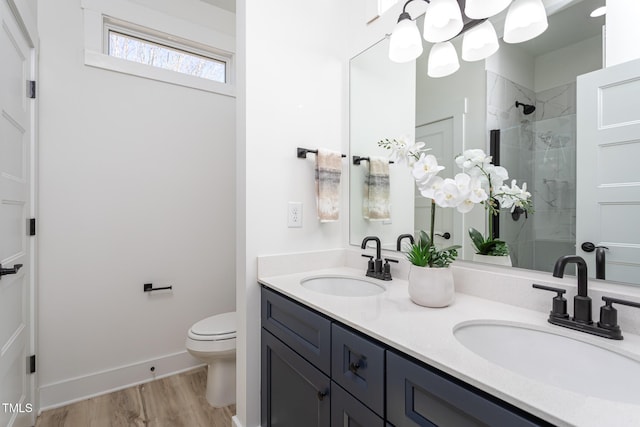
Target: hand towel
(328,171)
(376,204)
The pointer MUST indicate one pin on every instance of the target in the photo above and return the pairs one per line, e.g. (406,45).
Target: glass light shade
(405,43)
(480,9)
(443,60)
(479,42)
(526,19)
(442,21)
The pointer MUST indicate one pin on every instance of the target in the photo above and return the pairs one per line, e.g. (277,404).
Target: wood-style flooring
(175,401)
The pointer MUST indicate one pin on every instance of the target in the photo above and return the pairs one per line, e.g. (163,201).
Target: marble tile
(556,102)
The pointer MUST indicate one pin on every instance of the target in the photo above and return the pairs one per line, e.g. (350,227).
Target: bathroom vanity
(318,372)
(380,360)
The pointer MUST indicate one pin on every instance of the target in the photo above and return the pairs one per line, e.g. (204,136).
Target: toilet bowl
(213,341)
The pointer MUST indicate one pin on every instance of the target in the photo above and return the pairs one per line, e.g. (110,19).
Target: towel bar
(358,159)
(302,152)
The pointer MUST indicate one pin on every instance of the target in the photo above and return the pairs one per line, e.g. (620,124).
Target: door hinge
(31,226)
(31,89)
(31,364)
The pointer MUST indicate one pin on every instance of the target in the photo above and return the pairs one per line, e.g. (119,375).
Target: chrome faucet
(607,327)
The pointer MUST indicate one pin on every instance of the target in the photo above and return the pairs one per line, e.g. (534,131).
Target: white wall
(561,66)
(293,68)
(622,31)
(136,186)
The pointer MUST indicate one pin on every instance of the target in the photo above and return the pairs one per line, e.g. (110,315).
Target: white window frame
(147,24)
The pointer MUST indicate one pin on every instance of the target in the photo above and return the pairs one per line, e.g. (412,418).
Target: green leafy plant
(487,246)
(423,253)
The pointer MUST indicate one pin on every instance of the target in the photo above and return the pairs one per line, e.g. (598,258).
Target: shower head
(526,108)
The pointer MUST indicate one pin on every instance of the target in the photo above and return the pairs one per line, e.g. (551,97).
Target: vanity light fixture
(444,21)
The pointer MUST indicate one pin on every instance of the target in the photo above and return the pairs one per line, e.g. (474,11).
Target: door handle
(588,247)
(13,270)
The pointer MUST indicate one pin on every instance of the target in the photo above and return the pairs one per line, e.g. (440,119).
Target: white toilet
(213,340)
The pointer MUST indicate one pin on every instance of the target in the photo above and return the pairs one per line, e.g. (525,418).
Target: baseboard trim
(84,387)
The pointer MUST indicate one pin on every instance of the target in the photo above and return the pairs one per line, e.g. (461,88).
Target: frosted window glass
(145,52)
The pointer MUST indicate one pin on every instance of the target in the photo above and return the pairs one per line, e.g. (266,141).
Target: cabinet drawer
(418,396)
(346,410)
(357,364)
(306,332)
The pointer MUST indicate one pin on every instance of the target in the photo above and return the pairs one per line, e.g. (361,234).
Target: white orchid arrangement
(461,192)
(480,182)
(478,165)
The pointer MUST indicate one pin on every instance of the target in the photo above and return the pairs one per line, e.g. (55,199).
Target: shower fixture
(526,108)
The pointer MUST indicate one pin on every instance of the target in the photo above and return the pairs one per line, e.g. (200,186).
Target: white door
(438,136)
(608,168)
(16,320)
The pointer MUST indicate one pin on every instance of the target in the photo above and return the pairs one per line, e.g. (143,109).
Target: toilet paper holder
(148,287)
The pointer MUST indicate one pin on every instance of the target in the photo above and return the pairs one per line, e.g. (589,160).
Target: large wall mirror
(537,142)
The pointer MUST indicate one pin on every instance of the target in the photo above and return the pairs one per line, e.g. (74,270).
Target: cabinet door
(347,411)
(418,396)
(294,393)
(357,364)
(306,332)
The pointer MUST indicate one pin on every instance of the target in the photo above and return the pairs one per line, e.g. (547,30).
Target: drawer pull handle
(322,394)
(353,367)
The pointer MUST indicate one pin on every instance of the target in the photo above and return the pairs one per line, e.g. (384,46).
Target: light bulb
(479,42)
(526,19)
(443,60)
(442,21)
(480,9)
(405,43)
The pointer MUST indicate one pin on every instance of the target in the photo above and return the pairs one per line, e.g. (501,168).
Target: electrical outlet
(295,215)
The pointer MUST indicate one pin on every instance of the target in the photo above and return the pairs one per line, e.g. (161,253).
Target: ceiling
(567,26)
(229,5)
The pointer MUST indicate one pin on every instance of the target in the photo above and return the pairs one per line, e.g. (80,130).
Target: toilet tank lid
(220,324)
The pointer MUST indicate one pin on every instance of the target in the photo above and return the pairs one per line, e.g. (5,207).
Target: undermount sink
(554,359)
(344,286)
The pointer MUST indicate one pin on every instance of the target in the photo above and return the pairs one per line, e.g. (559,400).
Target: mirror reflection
(524,93)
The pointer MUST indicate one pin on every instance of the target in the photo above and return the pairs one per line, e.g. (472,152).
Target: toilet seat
(215,328)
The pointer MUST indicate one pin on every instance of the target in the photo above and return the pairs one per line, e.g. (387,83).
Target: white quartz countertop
(427,334)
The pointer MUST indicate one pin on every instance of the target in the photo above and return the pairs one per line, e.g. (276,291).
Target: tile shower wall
(538,149)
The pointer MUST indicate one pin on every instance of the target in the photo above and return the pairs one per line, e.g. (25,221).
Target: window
(125,37)
(144,46)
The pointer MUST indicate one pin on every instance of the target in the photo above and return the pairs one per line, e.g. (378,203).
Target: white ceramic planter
(431,287)
(496,260)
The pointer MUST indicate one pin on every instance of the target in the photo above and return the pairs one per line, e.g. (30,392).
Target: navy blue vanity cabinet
(294,392)
(296,364)
(346,410)
(418,395)
(306,332)
(357,364)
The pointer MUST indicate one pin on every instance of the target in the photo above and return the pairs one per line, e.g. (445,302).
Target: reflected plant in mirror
(498,195)
(462,192)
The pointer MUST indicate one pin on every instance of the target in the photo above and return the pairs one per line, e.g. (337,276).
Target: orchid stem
(431,231)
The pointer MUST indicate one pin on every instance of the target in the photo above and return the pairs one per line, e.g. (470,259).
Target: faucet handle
(559,310)
(370,264)
(609,315)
